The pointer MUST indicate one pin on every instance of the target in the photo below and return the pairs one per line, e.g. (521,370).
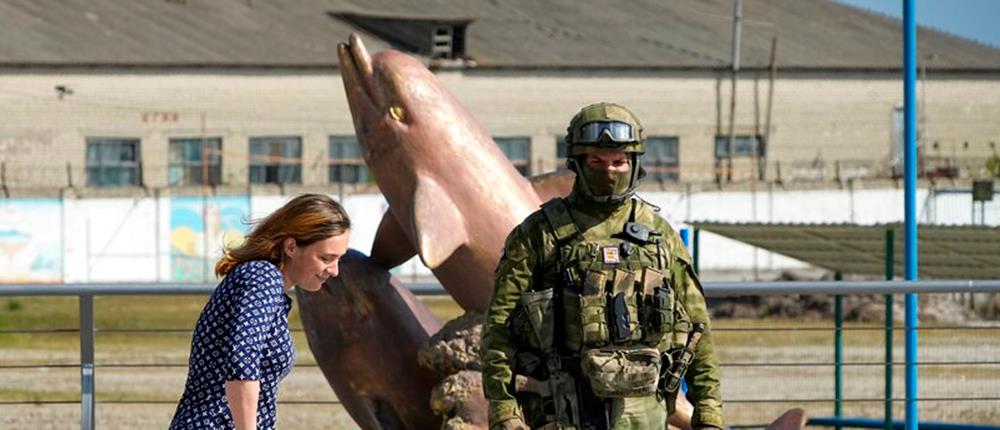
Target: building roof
(945,252)
(680,34)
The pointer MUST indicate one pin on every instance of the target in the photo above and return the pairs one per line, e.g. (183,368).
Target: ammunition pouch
(593,312)
(658,314)
(538,313)
(615,373)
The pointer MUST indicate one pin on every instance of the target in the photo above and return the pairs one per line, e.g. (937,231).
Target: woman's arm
(242,397)
(255,300)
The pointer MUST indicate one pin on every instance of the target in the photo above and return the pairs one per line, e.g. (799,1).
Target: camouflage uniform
(581,240)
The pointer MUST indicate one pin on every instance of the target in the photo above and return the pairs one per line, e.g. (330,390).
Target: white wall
(130,239)
(866,207)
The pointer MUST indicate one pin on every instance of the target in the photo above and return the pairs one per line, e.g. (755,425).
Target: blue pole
(910,204)
(684,237)
(890,248)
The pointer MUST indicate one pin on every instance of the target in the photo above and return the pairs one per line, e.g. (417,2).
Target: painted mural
(30,241)
(200,227)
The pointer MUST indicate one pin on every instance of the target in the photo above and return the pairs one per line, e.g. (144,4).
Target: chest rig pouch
(618,305)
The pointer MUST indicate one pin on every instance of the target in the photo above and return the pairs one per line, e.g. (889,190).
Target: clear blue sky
(971,19)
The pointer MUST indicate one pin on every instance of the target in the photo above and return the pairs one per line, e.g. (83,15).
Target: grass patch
(39,312)
(39,395)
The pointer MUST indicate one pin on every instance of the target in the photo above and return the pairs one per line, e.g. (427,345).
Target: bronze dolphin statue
(453,195)
(362,328)
(453,198)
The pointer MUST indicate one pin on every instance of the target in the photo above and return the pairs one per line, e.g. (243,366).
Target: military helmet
(604,126)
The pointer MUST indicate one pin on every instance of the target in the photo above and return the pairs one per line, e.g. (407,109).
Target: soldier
(597,314)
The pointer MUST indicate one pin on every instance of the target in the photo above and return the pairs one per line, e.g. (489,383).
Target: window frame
(758,147)
(664,169)
(191,171)
(521,165)
(338,164)
(98,168)
(264,169)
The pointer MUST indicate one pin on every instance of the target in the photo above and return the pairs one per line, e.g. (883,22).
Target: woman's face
(309,266)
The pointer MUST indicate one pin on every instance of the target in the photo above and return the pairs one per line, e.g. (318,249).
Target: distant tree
(993,166)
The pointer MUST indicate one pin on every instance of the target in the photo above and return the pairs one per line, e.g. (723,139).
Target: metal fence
(831,368)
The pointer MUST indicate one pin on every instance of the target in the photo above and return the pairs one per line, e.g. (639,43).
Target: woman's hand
(242,397)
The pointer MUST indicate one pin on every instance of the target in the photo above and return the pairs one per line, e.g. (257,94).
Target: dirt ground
(789,368)
(769,365)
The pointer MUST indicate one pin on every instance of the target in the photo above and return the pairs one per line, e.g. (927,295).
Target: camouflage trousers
(633,413)
(639,413)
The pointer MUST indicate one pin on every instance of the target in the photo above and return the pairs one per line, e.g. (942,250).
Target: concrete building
(112,97)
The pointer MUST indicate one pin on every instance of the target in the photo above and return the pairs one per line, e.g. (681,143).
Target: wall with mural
(179,239)
(30,240)
(200,227)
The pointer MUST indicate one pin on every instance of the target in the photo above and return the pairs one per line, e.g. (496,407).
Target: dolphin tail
(792,419)
(553,184)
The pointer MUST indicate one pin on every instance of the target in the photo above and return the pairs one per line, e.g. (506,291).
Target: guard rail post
(890,243)
(87,362)
(838,352)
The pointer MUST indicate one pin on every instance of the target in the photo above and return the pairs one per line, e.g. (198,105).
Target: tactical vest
(608,318)
(617,292)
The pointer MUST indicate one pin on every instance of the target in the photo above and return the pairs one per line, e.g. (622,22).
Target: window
(561,147)
(185,161)
(743,146)
(276,160)
(518,151)
(346,162)
(113,162)
(661,158)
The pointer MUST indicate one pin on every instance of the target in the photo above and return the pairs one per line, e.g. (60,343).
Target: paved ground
(781,360)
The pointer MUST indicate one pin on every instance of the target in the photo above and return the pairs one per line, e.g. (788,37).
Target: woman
(241,347)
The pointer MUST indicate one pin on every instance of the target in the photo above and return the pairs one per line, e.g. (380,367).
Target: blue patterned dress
(242,334)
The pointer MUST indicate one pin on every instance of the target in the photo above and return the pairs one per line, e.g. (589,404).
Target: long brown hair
(307,218)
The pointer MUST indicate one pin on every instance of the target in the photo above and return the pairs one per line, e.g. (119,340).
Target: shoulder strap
(564,230)
(560,221)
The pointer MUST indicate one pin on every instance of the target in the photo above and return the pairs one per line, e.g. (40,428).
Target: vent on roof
(442,42)
(438,38)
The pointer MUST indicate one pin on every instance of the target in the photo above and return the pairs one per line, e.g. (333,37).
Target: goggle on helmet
(604,126)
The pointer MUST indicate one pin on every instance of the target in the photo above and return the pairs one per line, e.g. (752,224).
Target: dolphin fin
(391,246)
(792,419)
(438,225)
(553,184)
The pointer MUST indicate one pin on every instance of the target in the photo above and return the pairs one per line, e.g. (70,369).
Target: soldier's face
(608,161)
